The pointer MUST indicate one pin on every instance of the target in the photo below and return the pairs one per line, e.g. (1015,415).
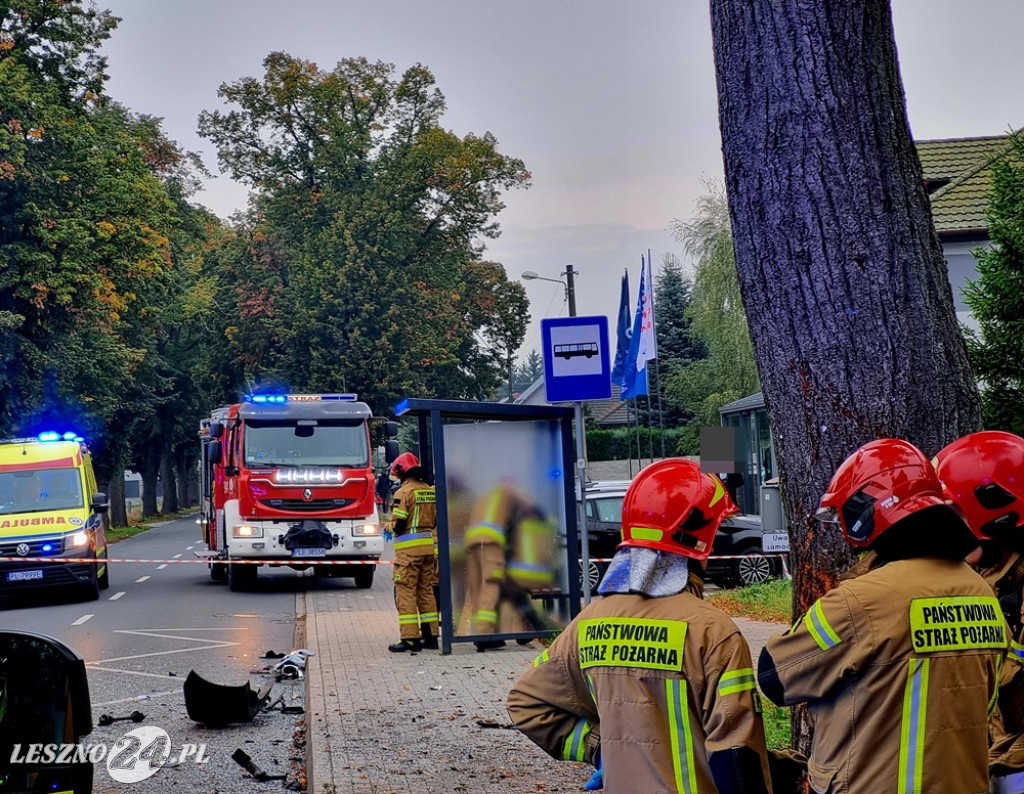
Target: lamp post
(568,283)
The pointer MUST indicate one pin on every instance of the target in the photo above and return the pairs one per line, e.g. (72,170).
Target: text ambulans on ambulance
(51,512)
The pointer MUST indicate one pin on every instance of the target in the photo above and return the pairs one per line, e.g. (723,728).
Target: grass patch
(771,601)
(777,728)
(114,534)
(137,525)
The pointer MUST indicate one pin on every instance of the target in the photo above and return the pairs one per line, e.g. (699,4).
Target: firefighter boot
(405,645)
(429,640)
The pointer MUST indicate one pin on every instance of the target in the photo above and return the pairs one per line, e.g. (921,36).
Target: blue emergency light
(53,435)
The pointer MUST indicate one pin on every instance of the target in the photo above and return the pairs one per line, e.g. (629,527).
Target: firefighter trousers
(485,573)
(414,594)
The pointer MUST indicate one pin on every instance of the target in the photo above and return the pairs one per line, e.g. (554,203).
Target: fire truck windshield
(323,444)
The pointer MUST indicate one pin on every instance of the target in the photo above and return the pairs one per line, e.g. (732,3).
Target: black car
(739,556)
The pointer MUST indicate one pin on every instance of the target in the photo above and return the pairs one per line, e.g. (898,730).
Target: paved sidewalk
(383,723)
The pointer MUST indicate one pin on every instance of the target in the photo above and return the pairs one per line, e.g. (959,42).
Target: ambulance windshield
(328,444)
(40,490)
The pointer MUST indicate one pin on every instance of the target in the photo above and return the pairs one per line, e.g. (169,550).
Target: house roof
(612,412)
(749,403)
(958,176)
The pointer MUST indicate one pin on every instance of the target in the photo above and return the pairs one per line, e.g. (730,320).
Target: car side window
(609,509)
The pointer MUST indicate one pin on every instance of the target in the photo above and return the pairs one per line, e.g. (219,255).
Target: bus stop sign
(577,364)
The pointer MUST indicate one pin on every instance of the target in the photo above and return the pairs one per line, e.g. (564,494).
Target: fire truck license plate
(21,576)
(309,552)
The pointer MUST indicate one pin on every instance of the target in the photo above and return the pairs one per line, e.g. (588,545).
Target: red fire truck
(288,479)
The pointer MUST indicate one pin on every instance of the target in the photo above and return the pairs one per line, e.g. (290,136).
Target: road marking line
(176,556)
(137,699)
(81,620)
(189,548)
(161,567)
(116,596)
(141,579)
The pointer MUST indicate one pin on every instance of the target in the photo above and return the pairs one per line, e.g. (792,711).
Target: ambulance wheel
(218,571)
(364,576)
(241,577)
(104,579)
(91,591)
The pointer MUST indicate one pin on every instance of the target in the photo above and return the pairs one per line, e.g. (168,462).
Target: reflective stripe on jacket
(663,687)
(899,669)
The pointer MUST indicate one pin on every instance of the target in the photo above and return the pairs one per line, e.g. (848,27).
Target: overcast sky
(610,103)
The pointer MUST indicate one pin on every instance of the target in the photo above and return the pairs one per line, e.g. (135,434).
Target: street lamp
(570,287)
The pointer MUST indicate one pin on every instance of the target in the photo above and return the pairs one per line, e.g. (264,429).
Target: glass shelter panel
(505,485)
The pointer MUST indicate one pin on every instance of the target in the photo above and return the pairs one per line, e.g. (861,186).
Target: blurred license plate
(306,553)
(21,576)
(774,542)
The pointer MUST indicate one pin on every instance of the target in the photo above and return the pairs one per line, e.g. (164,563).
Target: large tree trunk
(150,477)
(170,489)
(115,496)
(841,271)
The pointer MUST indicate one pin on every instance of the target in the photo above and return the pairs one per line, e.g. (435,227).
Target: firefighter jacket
(663,688)
(1006,730)
(513,537)
(899,669)
(414,501)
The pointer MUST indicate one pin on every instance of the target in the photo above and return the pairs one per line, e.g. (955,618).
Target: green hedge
(621,444)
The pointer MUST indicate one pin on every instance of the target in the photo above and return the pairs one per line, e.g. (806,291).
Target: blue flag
(622,346)
(634,375)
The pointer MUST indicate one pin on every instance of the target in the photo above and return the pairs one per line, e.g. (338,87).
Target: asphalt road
(158,621)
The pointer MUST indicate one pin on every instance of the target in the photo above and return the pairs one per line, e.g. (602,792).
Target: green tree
(996,298)
(366,233)
(528,372)
(716,316)
(678,345)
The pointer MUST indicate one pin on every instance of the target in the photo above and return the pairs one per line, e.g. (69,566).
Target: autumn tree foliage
(364,267)
(92,241)
(841,272)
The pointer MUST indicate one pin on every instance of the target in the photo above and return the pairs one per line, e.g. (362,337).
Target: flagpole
(657,369)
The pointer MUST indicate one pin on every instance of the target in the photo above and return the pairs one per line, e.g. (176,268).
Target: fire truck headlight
(366,529)
(247,531)
(79,539)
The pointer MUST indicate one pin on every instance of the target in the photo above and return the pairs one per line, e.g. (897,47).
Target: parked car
(743,553)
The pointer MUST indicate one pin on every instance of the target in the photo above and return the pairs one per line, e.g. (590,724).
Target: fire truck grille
(301,506)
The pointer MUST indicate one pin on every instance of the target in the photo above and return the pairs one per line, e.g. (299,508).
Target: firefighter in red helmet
(651,684)
(898,666)
(983,475)
(414,522)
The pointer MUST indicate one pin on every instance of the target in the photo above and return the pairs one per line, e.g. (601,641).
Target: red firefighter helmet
(983,474)
(881,483)
(671,506)
(403,463)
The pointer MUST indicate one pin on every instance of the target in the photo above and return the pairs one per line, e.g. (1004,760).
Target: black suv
(738,544)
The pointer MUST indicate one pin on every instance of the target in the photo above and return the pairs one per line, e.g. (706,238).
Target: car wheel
(218,571)
(597,570)
(753,567)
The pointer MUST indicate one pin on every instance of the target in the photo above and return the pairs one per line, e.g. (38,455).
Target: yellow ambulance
(53,521)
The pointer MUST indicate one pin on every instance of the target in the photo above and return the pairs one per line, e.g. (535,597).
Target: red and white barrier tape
(289,560)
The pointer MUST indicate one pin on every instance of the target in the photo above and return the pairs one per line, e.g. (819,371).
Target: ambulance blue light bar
(52,435)
(263,399)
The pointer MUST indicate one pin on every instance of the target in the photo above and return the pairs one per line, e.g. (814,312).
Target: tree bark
(115,496)
(170,489)
(842,275)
